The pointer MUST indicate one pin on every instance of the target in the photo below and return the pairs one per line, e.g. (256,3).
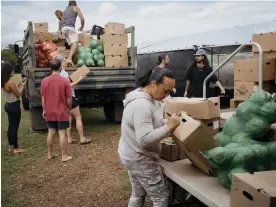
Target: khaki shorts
(70,34)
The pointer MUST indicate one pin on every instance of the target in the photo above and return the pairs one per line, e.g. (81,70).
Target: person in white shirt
(75,107)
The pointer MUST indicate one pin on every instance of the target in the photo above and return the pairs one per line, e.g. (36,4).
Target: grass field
(30,180)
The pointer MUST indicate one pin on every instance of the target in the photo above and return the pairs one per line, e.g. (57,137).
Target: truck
(103,87)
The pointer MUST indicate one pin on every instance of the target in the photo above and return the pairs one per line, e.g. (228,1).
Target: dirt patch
(93,178)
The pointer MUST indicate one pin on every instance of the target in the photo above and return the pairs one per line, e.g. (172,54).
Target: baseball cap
(200,52)
(59,58)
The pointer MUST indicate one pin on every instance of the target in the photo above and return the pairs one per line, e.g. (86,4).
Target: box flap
(83,70)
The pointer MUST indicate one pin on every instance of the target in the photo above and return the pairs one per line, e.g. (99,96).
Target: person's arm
(146,135)
(68,93)
(215,80)
(16,91)
(189,78)
(78,11)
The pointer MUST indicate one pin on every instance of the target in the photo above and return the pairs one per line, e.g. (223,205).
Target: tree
(7,55)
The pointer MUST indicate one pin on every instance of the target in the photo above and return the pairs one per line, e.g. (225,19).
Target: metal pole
(230,57)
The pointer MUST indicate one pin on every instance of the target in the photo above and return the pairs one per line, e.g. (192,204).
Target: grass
(35,145)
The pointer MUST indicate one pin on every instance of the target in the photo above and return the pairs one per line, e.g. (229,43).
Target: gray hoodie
(142,127)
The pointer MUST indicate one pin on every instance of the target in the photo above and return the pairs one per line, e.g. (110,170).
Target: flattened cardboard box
(248,70)
(253,190)
(266,40)
(243,89)
(83,70)
(193,138)
(198,108)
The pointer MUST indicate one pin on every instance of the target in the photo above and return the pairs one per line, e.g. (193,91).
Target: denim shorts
(58,125)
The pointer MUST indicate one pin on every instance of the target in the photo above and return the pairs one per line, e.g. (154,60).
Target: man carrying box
(197,74)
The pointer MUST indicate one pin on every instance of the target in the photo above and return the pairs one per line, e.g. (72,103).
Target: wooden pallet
(234,104)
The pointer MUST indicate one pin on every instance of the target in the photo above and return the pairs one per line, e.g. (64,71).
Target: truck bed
(98,78)
(205,188)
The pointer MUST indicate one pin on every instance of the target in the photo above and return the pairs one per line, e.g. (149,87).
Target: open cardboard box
(193,138)
(198,108)
(254,190)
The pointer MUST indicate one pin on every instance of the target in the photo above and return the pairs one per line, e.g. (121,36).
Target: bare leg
(76,113)
(73,49)
(63,145)
(51,133)
(68,131)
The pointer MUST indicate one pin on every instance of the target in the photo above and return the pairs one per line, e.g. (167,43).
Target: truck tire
(113,111)
(25,101)
(37,121)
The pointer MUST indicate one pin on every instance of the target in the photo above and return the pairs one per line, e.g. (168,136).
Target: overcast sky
(153,20)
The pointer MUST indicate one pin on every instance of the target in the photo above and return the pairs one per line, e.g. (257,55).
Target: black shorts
(58,125)
(75,102)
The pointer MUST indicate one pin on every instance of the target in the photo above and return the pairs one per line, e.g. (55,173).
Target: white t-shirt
(64,74)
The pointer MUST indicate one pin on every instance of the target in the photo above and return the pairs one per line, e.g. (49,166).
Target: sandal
(72,141)
(85,141)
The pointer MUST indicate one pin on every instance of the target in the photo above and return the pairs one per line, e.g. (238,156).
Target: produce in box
(243,140)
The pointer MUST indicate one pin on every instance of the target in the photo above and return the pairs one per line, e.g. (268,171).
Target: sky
(153,21)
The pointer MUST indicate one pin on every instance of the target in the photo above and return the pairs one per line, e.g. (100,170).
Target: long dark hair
(157,75)
(160,58)
(205,62)
(6,70)
(72,3)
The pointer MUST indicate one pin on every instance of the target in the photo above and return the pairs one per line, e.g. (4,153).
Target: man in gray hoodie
(142,130)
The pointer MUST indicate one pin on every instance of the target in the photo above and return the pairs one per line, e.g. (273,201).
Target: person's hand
(173,121)
(43,114)
(174,90)
(222,91)
(185,94)
(81,29)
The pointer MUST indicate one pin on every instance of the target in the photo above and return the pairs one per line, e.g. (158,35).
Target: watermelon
(89,55)
(95,51)
(94,44)
(86,49)
(96,57)
(90,62)
(80,62)
(100,63)
(82,55)
(81,49)
(100,48)
(100,56)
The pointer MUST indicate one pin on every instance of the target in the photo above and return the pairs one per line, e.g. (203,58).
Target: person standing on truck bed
(196,75)
(56,102)
(142,130)
(68,27)
(12,93)
(75,111)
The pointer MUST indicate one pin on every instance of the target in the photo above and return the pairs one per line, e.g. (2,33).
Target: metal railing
(260,71)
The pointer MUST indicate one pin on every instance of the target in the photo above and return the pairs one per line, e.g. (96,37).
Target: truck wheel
(25,101)
(113,111)
(37,121)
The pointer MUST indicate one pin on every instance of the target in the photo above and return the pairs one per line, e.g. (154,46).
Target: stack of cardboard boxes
(115,42)
(41,32)
(246,71)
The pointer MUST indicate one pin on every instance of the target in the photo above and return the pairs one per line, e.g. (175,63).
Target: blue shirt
(64,74)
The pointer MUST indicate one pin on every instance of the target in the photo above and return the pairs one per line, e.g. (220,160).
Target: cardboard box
(212,125)
(44,37)
(115,50)
(116,61)
(248,70)
(198,108)
(193,138)
(170,151)
(110,39)
(266,55)
(85,39)
(83,70)
(114,28)
(266,40)
(41,27)
(244,89)
(253,190)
